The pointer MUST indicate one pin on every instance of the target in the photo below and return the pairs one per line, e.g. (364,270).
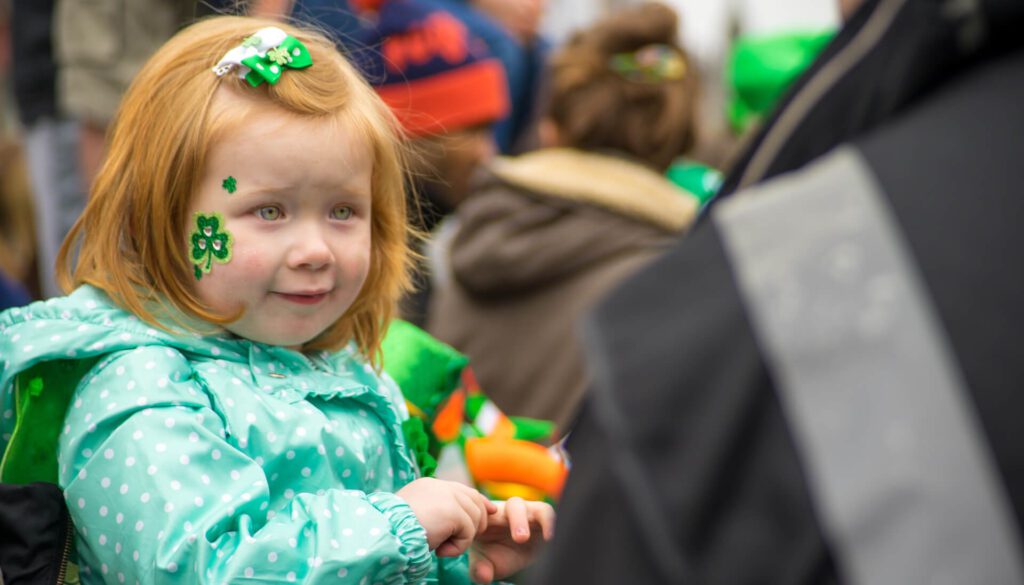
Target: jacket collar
(612,182)
(889,54)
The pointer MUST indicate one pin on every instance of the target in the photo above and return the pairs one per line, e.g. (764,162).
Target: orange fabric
(514,461)
(453,100)
(448,420)
(441,35)
(366,5)
(503,491)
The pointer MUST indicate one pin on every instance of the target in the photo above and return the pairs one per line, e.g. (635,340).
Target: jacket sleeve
(160,494)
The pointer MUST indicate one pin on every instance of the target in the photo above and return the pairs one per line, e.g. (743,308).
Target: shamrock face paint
(209,243)
(230,185)
(300,226)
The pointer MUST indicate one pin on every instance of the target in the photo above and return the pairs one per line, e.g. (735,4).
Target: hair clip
(649,64)
(264,55)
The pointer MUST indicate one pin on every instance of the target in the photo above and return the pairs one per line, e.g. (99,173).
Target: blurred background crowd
(65,63)
(538,127)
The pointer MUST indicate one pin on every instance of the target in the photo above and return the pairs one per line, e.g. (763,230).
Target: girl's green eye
(341,213)
(269,213)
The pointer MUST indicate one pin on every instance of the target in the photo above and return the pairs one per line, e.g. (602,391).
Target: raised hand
(451,513)
(511,539)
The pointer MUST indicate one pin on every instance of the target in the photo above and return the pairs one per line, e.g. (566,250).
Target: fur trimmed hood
(615,183)
(550,214)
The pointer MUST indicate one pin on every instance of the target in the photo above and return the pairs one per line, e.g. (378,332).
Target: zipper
(69,534)
(810,94)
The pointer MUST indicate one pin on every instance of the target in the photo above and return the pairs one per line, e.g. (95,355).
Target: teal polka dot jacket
(212,459)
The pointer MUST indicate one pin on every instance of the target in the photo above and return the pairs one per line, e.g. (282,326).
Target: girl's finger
(474,511)
(487,505)
(544,515)
(517,514)
(481,570)
(448,549)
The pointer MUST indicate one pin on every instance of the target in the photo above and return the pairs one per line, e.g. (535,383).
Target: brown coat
(546,237)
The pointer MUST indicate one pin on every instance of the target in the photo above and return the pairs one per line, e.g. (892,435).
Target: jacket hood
(546,215)
(87,324)
(889,54)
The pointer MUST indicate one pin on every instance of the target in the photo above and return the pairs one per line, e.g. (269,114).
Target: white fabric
(269,38)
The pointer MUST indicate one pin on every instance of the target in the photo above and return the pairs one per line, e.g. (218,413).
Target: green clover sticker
(230,184)
(279,55)
(251,41)
(208,243)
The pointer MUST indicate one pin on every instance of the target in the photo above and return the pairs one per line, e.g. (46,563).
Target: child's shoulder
(85,325)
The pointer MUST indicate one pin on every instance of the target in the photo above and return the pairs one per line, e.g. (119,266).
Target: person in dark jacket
(821,384)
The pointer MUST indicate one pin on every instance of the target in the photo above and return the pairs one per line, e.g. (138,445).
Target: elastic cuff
(411,534)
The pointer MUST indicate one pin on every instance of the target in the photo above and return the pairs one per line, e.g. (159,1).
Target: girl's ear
(548,133)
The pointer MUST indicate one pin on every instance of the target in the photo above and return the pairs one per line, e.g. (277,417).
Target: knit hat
(427,66)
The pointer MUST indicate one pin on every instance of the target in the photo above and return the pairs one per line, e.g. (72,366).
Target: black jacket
(692,460)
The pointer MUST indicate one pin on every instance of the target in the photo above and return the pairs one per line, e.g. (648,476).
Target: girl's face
(294,195)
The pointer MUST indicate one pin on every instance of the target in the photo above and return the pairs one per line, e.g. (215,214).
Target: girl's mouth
(304,298)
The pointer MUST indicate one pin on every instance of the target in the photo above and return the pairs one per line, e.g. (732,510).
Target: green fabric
(700,180)
(419,441)
(533,429)
(761,68)
(473,405)
(649,64)
(453,569)
(426,369)
(290,54)
(42,394)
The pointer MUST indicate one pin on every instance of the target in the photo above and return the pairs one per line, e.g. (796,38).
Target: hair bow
(649,64)
(264,56)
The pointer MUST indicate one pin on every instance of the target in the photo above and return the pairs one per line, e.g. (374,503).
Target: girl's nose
(310,250)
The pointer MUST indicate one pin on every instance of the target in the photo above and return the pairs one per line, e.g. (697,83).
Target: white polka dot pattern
(187,458)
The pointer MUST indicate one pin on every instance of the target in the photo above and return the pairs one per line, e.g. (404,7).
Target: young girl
(240,256)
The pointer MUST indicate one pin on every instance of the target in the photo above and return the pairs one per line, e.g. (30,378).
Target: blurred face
(455,157)
(294,197)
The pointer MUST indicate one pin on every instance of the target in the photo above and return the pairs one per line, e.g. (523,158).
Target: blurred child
(552,230)
(241,253)
(447,90)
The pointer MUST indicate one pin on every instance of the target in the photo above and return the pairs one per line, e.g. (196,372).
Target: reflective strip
(899,468)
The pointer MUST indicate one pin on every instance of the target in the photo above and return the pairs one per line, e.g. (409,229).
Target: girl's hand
(451,513)
(512,537)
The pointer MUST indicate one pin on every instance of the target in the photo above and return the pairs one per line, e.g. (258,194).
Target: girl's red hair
(132,234)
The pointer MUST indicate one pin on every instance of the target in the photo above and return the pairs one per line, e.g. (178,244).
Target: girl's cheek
(250,262)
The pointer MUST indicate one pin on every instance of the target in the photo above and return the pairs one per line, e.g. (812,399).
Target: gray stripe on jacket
(899,468)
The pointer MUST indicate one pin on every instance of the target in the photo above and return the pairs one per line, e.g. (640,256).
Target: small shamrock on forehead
(208,243)
(230,184)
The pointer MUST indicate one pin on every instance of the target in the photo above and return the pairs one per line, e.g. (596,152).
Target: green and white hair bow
(264,56)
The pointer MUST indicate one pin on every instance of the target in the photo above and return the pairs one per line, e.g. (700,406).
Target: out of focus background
(65,63)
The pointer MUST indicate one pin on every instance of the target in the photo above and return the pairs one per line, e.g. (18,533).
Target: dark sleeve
(34,71)
(684,469)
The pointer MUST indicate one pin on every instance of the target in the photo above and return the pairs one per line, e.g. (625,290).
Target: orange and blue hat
(435,75)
